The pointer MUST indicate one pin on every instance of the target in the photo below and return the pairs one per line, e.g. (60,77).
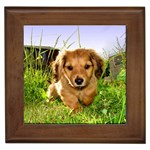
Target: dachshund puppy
(75,75)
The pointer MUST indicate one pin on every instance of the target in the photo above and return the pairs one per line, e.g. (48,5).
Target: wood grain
(17,131)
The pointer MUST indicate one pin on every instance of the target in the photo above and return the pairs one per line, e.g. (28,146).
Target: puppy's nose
(79,80)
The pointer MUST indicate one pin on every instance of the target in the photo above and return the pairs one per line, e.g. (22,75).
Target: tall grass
(108,107)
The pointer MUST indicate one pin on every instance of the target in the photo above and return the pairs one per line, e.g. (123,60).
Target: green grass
(108,107)
(35,85)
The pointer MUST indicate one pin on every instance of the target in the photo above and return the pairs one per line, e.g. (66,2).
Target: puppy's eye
(70,68)
(87,66)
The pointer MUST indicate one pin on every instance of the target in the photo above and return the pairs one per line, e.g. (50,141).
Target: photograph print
(75,74)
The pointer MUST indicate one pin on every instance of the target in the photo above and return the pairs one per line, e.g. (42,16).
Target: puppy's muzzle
(79,81)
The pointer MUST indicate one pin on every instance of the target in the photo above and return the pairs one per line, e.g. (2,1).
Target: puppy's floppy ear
(57,66)
(97,62)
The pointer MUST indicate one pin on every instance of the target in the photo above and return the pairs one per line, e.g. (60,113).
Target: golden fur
(75,76)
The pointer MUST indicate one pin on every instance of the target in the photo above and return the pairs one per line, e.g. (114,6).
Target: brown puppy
(75,77)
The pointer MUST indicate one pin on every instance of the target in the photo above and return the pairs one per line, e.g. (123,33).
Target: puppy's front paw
(76,110)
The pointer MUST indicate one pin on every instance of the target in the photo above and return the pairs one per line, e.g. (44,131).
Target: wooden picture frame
(131,132)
